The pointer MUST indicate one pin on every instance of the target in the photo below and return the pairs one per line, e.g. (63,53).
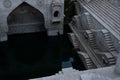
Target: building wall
(46,7)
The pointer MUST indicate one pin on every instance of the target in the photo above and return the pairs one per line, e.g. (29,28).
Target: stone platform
(93,74)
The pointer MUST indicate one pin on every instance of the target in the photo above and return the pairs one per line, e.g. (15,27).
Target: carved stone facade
(26,16)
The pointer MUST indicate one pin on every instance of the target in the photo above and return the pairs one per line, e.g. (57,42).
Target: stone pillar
(117,67)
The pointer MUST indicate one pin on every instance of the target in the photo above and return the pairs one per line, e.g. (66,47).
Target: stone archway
(25,19)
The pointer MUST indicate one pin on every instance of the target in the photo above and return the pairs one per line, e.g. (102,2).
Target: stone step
(109,21)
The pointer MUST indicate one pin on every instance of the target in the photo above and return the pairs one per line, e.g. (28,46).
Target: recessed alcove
(25,19)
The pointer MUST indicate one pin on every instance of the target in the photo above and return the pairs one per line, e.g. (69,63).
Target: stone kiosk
(27,16)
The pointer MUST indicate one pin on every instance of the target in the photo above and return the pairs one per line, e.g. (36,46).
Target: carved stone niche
(56,11)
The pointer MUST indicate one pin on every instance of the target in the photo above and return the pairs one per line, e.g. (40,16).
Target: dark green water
(26,56)
(33,55)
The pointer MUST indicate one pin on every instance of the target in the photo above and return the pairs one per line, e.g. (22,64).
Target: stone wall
(53,22)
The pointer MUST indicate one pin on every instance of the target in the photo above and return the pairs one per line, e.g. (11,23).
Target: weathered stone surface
(20,16)
(97,31)
(94,74)
(91,76)
(87,1)
(117,67)
(115,3)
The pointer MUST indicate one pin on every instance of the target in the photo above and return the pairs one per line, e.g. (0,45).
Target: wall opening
(25,19)
(56,14)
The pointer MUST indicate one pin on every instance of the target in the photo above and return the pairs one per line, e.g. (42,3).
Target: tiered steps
(73,40)
(86,60)
(91,39)
(105,13)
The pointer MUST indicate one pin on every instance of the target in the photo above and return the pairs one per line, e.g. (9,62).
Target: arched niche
(25,19)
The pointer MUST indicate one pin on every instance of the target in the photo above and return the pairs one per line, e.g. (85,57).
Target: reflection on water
(34,55)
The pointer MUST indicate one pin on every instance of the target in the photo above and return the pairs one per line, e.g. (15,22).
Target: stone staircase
(73,40)
(89,19)
(91,39)
(86,60)
(105,13)
(108,40)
